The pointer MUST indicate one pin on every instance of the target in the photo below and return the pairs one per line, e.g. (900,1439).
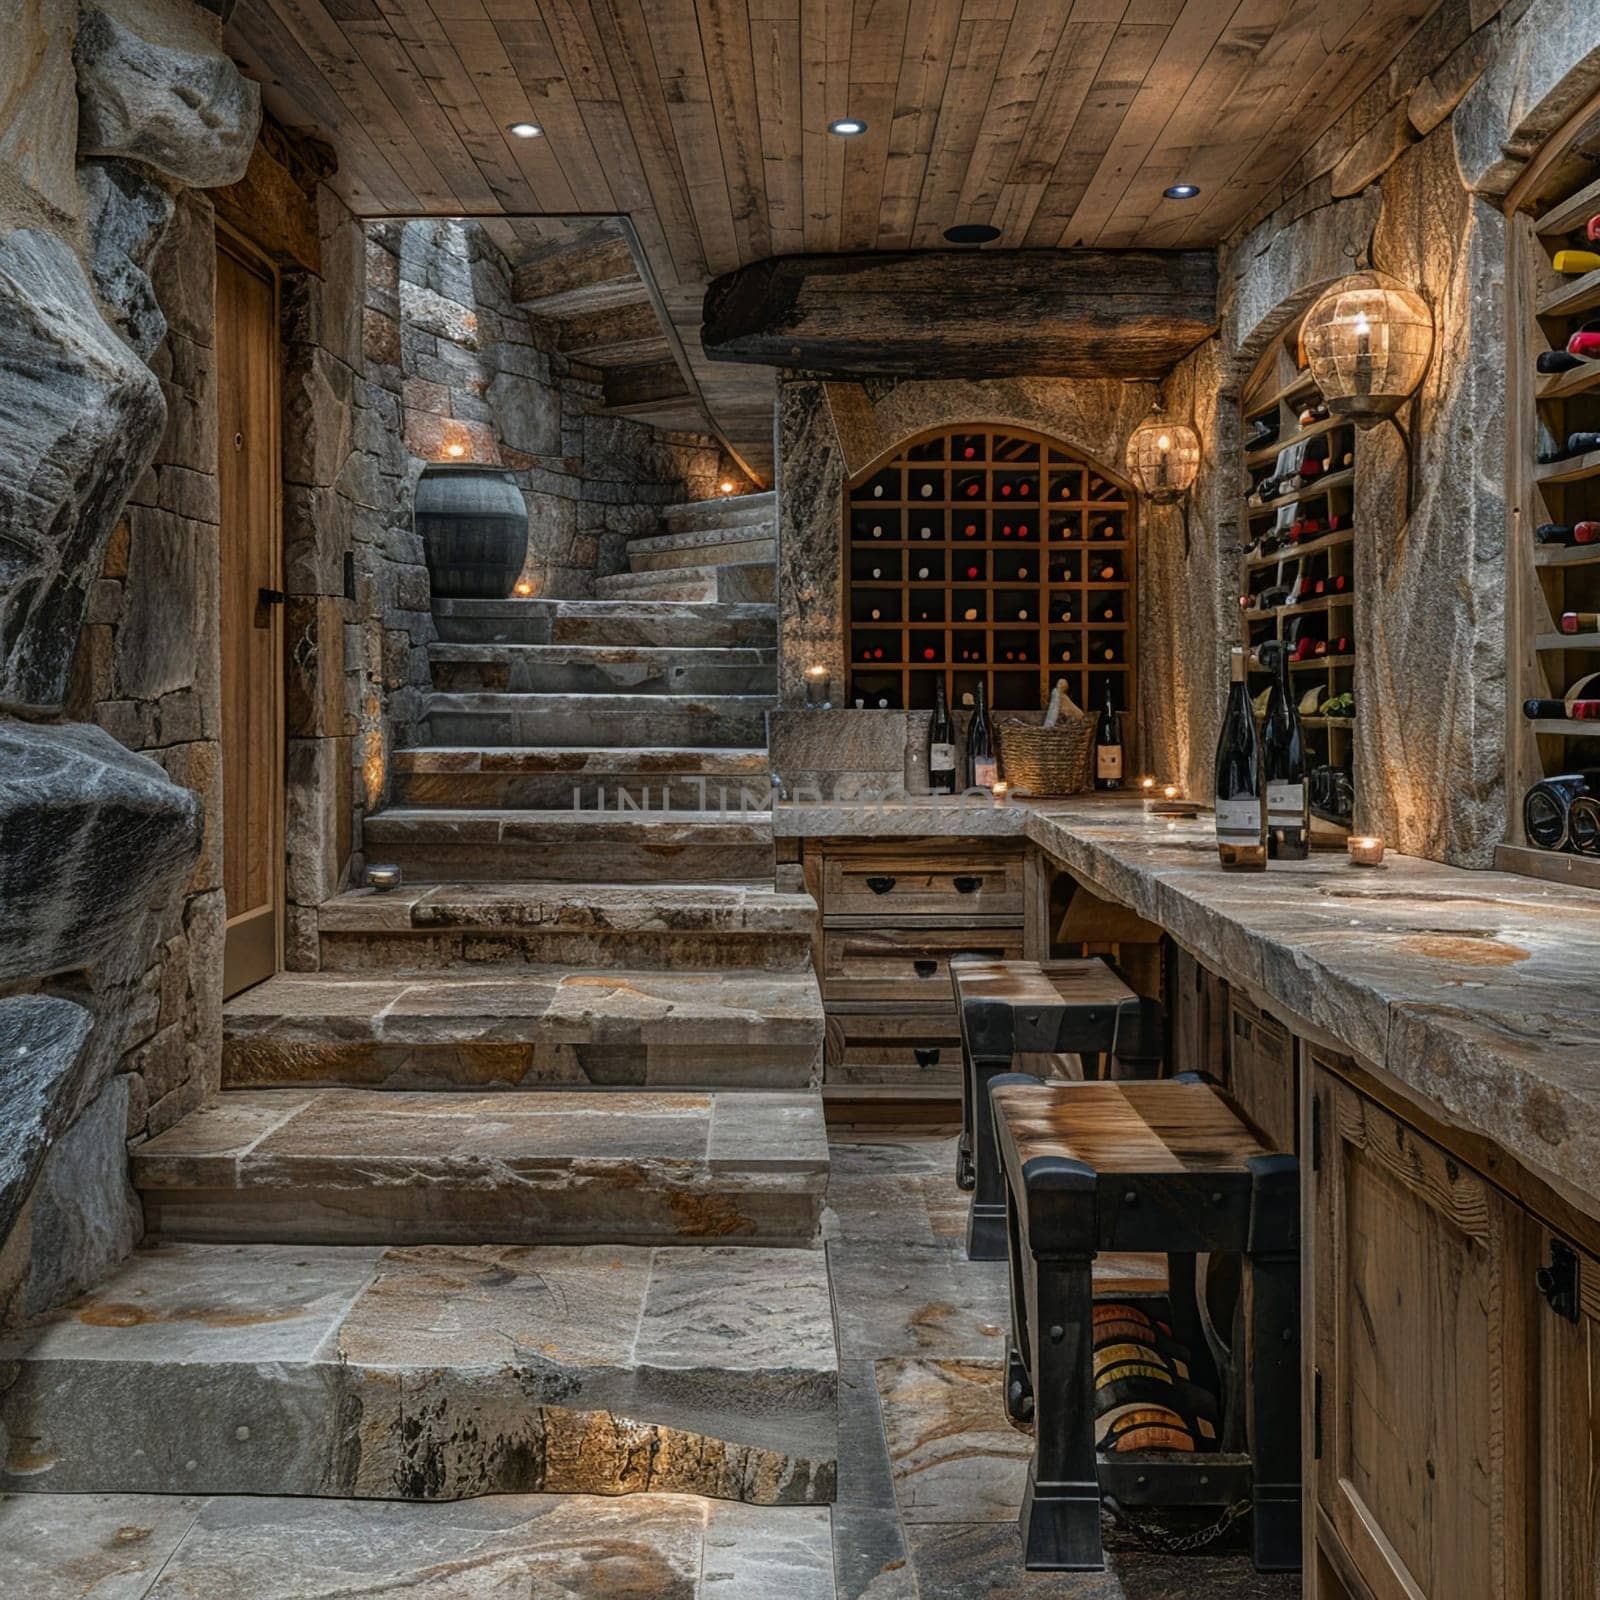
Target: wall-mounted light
(524,130)
(1369,341)
(1164,460)
(847,127)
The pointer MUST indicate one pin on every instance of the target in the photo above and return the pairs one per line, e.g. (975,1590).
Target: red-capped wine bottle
(1581,703)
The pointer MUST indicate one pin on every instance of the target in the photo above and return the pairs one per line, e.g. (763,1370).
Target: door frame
(230,241)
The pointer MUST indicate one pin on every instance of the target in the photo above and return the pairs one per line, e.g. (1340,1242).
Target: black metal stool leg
(1060,1517)
(1019,1352)
(1274,1343)
(986,1220)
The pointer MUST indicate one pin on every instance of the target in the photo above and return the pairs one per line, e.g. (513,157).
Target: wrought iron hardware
(880,885)
(269,597)
(1558,1282)
(927,1055)
(966,885)
(925,969)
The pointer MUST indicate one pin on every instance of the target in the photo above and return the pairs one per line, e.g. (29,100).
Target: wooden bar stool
(1146,1166)
(1012,1009)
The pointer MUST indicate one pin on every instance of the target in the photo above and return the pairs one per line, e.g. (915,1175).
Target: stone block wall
(478,376)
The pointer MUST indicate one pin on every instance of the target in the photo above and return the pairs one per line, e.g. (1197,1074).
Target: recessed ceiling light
(972,233)
(847,127)
(525,130)
(1182,191)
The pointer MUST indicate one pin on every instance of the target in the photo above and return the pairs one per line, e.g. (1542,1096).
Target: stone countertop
(1475,992)
(1478,993)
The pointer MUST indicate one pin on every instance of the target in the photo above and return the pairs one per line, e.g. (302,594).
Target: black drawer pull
(925,969)
(880,885)
(966,885)
(927,1055)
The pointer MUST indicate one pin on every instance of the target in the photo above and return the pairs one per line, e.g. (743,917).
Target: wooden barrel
(474,526)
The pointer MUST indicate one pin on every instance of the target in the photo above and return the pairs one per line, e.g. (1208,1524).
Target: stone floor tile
(894,1299)
(869,1555)
(864,1476)
(783,1131)
(961,1561)
(761,1553)
(69,1546)
(940,1418)
(500,1548)
(890,1207)
(879,1155)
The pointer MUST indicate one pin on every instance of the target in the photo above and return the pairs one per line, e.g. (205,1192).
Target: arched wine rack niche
(986,554)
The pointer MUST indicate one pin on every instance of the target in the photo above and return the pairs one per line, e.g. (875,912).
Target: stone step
(437,844)
(602,669)
(598,719)
(702,547)
(431,1372)
(727,511)
(549,777)
(736,581)
(539,1028)
(375,1166)
(680,624)
(697,927)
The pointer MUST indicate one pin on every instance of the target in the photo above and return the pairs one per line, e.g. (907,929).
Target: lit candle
(1001,790)
(383,879)
(524,588)
(1148,785)
(1365,851)
(1169,791)
(455,449)
(817,688)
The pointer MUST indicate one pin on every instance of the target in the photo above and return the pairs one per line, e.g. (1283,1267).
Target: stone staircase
(712,550)
(429,1240)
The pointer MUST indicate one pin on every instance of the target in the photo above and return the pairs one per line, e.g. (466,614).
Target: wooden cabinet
(894,911)
(1261,1071)
(1454,1372)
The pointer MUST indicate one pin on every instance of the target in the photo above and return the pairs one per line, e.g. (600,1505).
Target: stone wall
(109,1000)
(480,377)
(1409,175)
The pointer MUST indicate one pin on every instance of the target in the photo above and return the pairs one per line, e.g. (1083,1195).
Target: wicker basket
(1047,760)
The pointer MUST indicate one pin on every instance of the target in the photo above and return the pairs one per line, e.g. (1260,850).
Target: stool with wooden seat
(1146,1166)
(1011,1010)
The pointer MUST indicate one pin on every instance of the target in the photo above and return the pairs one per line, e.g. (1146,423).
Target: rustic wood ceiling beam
(990,313)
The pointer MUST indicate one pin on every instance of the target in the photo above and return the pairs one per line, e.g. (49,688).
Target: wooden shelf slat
(1567,641)
(1578,295)
(1298,552)
(1573,471)
(1565,555)
(1565,727)
(1554,866)
(1343,479)
(1572,212)
(1269,452)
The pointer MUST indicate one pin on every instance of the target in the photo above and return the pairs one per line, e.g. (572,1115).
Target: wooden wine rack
(1077,599)
(1280,390)
(1546,580)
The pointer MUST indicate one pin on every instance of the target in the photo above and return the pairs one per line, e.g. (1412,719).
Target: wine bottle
(1283,754)
(1561,533)
(983,766)
(1580,621)
(1241,817)
(1108,745)
(1546,807)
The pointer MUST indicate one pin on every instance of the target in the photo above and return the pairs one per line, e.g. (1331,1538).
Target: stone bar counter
(1474,994)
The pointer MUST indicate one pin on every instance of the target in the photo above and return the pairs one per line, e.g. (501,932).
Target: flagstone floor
(930,1476)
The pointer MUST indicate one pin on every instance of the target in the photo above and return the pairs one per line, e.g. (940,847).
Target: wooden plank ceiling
(704,122)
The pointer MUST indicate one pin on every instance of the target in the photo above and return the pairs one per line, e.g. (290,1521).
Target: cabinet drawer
(906,963)
(893,1049)
(915,880)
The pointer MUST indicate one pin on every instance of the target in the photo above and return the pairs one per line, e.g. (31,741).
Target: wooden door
(1569,1431)
(1423,1313)
(252,646)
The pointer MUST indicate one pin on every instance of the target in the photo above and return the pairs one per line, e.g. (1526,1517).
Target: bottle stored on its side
(983,764)
(1241,816)
(1283,749)
(1108,745)
(1547,808)
(941,745)
(1581,703)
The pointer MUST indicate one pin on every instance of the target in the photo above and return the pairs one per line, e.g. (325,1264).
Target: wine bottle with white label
(983,762)
(1241,816)
(941,745)
(1108,745)
(1284,754)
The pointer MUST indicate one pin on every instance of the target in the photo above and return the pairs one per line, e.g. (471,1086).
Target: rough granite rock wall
(108,993)
(827,432)
(477,372)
